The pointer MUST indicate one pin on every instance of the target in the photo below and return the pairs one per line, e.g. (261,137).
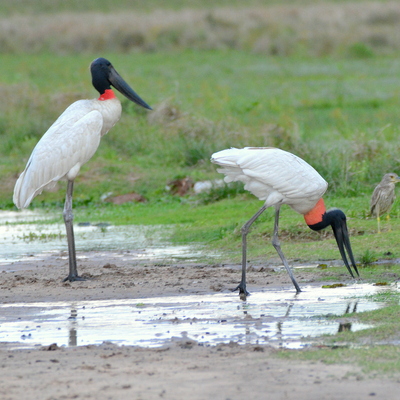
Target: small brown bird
(383,197)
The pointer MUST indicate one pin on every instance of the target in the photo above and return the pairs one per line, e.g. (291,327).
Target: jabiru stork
(70,142)
(279,177)
(383,197)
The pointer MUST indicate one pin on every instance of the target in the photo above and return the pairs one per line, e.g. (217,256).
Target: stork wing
(271,174)
(68,144)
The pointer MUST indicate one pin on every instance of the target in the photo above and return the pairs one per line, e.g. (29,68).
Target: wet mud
(149,323)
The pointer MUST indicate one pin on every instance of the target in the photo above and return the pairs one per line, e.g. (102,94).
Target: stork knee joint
(68,216)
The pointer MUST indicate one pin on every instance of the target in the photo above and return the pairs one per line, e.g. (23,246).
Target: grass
(340,115)
(33,236)
(57,6)
(382,360)
(217,78)
(10,7)
(316,28)
(217,225)
(368,257)
(373,349)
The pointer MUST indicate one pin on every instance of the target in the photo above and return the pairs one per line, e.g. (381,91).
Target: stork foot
(243,293)
(73,278)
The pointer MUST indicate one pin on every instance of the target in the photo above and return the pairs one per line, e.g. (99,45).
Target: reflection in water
(277,334)
(345,327)
(276,317)
(279,325)
(350,309)
(73,335)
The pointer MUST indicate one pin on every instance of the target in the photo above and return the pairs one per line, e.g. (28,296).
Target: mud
(140,328)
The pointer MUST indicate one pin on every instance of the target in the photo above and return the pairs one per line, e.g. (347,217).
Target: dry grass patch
(359,29)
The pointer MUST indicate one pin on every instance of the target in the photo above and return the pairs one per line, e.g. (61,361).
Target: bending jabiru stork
(70,142)
(279,177)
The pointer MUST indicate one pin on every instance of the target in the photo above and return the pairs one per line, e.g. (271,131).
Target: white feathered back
(68,144)
(273,175)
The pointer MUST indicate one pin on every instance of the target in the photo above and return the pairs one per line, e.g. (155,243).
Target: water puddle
(277,317)
(35,241)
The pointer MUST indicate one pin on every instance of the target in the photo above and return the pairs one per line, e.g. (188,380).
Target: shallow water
(277,317)
(21,241)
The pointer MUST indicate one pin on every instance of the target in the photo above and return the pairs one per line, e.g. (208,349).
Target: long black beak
(339,228)
(119,84)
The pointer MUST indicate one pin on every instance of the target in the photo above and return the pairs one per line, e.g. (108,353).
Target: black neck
(100,82)
(328,219)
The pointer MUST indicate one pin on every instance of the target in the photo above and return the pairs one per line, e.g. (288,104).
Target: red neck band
(314,216)
(107,95)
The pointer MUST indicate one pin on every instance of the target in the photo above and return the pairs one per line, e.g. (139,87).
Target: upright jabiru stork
(72,141)
(279,177)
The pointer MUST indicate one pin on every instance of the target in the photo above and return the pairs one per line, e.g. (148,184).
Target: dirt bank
(182,369)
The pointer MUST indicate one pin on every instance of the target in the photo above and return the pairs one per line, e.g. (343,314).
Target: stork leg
(245,230)
(277,245)
(68,219)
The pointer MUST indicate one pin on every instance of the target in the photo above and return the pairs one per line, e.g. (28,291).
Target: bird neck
(107,95)
(315,217)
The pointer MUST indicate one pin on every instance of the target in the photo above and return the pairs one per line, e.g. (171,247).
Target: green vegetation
(219,77)
(374,349)
(382,359)
(339,115)
(32,236)
(368,257)
(338,111)
(11,7)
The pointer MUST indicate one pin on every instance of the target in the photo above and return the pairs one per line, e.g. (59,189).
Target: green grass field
(334,103)
(338,111)
(55,6)
(339,115)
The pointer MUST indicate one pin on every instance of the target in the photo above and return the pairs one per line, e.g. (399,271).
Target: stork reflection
(73,334)
(351,308)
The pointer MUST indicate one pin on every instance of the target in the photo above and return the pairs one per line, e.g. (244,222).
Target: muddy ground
(182,369)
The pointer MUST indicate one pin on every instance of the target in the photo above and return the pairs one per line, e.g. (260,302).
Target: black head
(337,220)
(104,75)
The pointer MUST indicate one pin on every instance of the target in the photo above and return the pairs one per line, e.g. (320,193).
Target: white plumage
(273,175)
(72,141)
(68,144)
(278,177)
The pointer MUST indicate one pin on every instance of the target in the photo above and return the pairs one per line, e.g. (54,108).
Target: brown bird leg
(378,218)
